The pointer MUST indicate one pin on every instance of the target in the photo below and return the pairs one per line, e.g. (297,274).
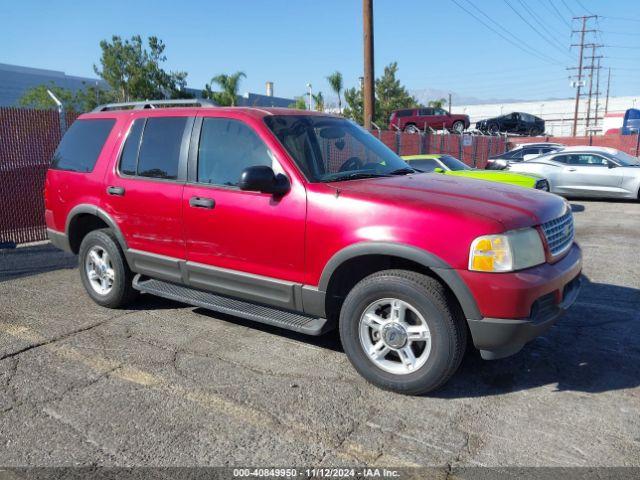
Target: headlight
(507,252)
(542,184)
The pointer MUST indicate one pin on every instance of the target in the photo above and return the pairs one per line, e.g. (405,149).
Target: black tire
(457,127)
(122,292)
(441,313)
(534,132)
(411,128)
(493,128)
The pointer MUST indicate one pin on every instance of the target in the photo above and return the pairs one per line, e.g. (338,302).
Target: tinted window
(160,148)
(129,158)
(79,149)
(453,163)
(560,158)
(424,112)
(226,148)
(425,164)
(439,111)
(586,160)
(404,113)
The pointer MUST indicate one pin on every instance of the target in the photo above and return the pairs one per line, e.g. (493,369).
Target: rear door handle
(115,191)
(201,202)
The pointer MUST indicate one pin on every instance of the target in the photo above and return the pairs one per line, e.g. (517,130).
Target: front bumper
(517,307)
(500,337)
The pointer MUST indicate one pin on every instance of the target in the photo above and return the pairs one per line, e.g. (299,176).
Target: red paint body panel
(292,238)
(436,122)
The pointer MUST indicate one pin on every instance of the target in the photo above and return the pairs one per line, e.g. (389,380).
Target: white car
(587,172)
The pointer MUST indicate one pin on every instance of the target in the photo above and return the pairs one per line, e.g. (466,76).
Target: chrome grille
(559,233)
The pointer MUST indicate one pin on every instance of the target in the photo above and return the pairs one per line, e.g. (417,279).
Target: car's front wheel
(402,332)
(104,271)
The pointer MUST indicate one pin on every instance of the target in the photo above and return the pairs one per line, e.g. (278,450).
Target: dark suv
(308,222)
(516,122)
(415,120)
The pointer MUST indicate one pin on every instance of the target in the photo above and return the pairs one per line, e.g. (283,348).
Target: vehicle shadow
(593,348)
(26,261)
(577,208)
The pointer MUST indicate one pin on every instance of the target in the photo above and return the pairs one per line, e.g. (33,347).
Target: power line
(626,19)
(532,52)
(534,15)
(559,14)
(583,7)
(567,7)
(533,28)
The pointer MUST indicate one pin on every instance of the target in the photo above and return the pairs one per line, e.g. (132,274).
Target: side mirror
(611,165)
(438,170)
(261,178)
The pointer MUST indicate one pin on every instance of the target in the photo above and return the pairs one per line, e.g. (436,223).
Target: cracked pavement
(165,384)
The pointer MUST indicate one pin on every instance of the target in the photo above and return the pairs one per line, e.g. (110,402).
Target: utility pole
(449,103)
(369,95)
(582,32)
(597,92)
(606,103)
(593,56)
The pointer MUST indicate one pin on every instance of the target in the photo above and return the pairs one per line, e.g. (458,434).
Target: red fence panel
(28,139)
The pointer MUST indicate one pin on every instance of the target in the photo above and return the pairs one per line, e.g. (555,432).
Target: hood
(513,206)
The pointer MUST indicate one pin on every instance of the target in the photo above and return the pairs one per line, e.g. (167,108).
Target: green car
(449,165)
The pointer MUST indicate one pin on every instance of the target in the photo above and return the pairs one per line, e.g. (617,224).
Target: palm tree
(335,81)
(319,101)
(437,103)
(230,85)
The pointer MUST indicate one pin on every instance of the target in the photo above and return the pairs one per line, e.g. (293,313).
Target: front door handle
(571,169)
(115,191)
(201,202)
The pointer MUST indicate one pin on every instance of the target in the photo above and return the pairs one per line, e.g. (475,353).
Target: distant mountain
(424,95)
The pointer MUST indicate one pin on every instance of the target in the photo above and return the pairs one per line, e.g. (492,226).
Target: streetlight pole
(309,87)
(369,95)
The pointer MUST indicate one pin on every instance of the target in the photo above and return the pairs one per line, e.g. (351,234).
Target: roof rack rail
(198,102)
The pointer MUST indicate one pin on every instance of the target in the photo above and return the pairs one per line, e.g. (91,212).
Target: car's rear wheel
(411,129)
(493,128)
(104,271)
(534,132)
(402,332)
(458,126)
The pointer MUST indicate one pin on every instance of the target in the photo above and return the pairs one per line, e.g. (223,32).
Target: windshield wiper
(402,171)
(357,175)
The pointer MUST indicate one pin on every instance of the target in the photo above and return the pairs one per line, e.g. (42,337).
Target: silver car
(587,172)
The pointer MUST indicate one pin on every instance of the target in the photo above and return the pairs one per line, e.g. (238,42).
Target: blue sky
(436,44)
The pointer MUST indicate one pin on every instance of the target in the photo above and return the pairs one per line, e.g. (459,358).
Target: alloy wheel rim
(395,336)
(99,270)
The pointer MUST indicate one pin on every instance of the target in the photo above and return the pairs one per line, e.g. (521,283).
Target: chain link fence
(28,139)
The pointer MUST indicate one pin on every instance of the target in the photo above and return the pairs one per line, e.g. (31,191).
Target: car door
(587,174)
(144,192)
(439,119)
(241,243)
(424,118)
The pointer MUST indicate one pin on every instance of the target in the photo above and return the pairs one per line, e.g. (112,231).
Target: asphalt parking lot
(166,384)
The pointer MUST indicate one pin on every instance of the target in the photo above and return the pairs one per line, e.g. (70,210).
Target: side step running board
(251,311)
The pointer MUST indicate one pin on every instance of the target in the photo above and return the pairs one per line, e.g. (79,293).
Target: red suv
(306,221)
(414,120)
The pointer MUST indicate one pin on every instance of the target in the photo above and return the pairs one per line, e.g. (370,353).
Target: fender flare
(101,214)
(439,267)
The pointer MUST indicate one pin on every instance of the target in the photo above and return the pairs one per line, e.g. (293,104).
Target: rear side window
(160,148)
(226,148)
(80,147)
(129,159)
(404,113)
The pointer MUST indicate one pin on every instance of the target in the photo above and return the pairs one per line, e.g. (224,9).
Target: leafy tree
(37,97)
(230,84)
(355,104)
(390,95)
(134,72)
(335,82)
(319,101)
(90,97)
(300,103)
(437,103)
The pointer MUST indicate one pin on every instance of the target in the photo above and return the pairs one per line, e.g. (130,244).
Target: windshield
(626,160)
(329,149)
(453,163)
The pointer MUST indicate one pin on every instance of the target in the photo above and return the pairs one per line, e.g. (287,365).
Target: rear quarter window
(81,145)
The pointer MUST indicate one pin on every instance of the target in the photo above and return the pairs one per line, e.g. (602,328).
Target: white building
(558,114)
